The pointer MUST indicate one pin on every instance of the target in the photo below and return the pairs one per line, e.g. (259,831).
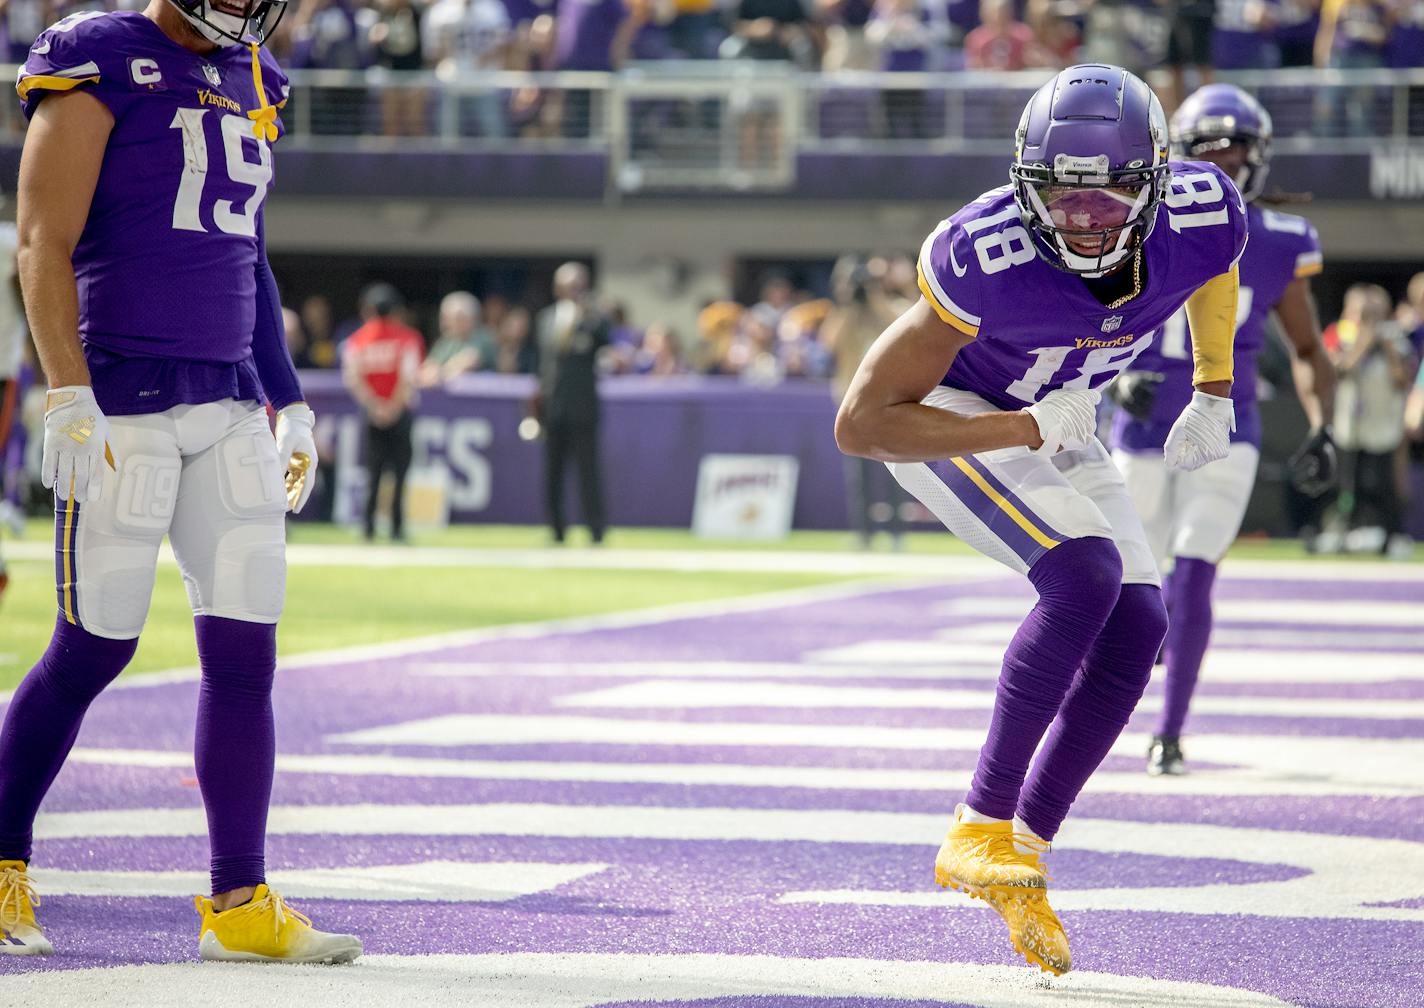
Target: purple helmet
(1090,167)
(1217,116)
(231,22)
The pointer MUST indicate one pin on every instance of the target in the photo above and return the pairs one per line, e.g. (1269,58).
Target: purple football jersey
(1282,247)
(1038,328)
(166,264)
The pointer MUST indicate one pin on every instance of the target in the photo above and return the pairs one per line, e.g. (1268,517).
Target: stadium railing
(740,126)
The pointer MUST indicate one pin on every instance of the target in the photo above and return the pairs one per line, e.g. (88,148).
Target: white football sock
(965,813)
(1022,827)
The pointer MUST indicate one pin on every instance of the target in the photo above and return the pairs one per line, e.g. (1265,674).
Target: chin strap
(264,117)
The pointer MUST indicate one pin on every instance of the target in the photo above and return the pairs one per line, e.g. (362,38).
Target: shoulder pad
(76,51)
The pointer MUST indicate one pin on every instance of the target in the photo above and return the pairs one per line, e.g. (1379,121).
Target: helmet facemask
(233,22)
(1220,133)
(1088,217)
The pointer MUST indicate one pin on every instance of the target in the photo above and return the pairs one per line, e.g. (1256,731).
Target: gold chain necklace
(1136,281)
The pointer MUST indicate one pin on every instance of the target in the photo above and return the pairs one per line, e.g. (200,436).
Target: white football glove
(1202,433)
(76,444)
(296,451)
(1067,420)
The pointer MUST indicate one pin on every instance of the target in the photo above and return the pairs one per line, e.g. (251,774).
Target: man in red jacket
(380,363)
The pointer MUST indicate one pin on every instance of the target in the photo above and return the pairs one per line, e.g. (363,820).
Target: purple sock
(1077,584)
(1189,604)
(236,745)
(42,723)
(1104,695)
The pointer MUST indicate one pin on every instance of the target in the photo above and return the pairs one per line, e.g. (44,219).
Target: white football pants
(1014,506)
(208,477)
(1190,514)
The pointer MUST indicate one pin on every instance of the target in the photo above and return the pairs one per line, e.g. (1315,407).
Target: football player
(158,325)
(1193,517)
(982,400)
(12,337)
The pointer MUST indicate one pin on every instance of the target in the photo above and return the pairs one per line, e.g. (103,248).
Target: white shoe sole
(212,950)
(35,945)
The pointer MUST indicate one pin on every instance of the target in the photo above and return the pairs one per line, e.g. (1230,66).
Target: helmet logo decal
(1093,170)
(211,73)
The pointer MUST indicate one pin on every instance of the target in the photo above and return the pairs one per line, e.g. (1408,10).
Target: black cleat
(1164,756)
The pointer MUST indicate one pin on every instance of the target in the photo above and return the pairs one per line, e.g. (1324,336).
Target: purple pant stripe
(59,578)
(66,559)
(1008,531)
(1014,499)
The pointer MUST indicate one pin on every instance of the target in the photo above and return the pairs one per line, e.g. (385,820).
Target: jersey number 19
(226,214)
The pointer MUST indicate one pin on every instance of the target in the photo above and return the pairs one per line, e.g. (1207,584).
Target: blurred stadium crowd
(788,332)
(889,35)
(456,38)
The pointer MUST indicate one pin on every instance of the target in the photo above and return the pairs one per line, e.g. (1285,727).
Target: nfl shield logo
(211,73)
(1111,323)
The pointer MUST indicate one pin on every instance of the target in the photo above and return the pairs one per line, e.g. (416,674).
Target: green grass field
(340,606)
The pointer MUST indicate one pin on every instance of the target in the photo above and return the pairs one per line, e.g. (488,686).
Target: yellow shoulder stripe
(947,316)
(1309,269)
(28,84)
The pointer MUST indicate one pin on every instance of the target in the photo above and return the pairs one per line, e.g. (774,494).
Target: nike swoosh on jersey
(959,270)
(40,48)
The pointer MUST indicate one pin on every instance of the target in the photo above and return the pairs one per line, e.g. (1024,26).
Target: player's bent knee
(1142,608)
(1084,573)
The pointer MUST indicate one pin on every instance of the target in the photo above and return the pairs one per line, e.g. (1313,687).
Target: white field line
(1343,875)
(946,566)
(585,980)
(426,881)
(986,672)
(1349,761)
(808,561)
(683,695)
(893,658)
(1244,782)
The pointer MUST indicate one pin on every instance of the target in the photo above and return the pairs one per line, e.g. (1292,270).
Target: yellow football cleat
(1035,930)
(20,934)
(265,929)
(981,858)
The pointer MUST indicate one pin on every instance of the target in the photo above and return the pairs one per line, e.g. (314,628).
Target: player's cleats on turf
(1003,868)
(1035,930)
(980,857)
(265,929)
(1164,756)
(20,934)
